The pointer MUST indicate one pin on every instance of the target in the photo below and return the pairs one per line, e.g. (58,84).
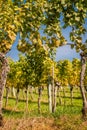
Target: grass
(70,122)
(66,117)
(18,111)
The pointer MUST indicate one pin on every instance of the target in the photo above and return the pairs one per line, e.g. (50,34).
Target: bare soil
(41,123)
(29,124)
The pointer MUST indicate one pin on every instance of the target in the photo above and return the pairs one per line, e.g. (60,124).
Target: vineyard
(66,78)
(16,116)
(32,103)
(37,88)
(63,107)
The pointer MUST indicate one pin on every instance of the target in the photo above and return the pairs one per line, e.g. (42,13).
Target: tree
(71,14)
(16,16)
(85,79)
(7,37)
(78,21)
(19,77)
(75,74)
(35,63)
(28,17)
(4,71)
(65,69)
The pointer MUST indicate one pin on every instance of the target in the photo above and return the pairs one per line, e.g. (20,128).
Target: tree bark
(31,92)
(27,99)
(4,72)
(83,69)
(23,94)
(71,94)
(7,95)
(17,96)
(49,97)
(13,92)
(59,95)
(64,95)
(39,99)
(53,105)
(55,95)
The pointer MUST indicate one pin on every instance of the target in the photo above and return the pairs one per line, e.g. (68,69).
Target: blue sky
(64,52)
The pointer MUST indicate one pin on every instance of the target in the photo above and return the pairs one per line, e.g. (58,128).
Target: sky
(64,52)
(13,53)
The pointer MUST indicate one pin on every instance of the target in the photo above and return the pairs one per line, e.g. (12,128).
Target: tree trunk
(4,72)
(27,99)
(83,69)
(36,90)
(59,95)
(31,92)
(55,95)
(53,105)
(13,92)
(17,96)
(64,95)
(7,94)
(39,99)
(49,97)
(71,94)
(23,94)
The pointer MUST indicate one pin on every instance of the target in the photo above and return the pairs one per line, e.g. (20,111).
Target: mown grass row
(66,108)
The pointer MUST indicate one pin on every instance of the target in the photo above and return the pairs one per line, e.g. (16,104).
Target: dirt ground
(29,124)
(39,123)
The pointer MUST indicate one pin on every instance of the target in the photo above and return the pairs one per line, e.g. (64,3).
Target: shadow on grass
(12,98)
(12,113)
(79,97)
(69,105)
(30,101)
